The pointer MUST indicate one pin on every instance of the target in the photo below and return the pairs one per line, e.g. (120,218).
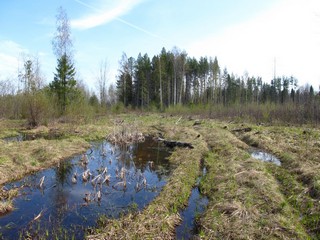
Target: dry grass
(10,128)
(6,196)
(20,158)
(96,129)
(245,200)
(298,149)
(5,206)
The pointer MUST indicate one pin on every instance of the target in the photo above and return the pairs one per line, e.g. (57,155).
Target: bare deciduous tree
(61,42)
(30,76)
(102,80)
(112,95)
(32,80)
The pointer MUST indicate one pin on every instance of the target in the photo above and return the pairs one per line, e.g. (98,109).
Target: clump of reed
(125,134)
(6,196)
(5,206)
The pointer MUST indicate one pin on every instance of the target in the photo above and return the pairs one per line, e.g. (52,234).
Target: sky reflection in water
(63,205)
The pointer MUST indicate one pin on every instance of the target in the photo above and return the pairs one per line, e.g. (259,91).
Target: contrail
(122,21)
(138,28)
(87,5)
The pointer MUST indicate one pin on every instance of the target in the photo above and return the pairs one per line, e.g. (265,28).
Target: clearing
(247,198)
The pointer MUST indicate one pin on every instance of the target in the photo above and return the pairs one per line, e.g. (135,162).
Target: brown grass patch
(20,158)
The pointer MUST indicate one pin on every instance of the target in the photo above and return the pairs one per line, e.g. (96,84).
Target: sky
(257,37)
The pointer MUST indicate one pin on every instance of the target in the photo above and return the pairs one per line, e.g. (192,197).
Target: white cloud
(289,33)
(108,11)
(10,52)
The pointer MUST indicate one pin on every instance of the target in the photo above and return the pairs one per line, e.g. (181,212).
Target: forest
(173,79)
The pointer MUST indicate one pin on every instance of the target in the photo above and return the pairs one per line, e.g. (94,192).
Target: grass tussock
(6,196)
(5,206)
(245,200)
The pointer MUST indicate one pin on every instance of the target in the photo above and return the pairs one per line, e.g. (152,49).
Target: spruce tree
(63,85)
(64,82)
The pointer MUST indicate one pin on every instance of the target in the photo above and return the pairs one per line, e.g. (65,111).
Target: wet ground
(108,180)
(17,138)
(30,136)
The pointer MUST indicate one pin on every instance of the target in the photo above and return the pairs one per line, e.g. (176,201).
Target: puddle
(264,156)
(29,137)
(196,205)
(18,138)
(67,206)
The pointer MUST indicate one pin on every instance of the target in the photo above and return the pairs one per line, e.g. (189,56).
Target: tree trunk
(161,103)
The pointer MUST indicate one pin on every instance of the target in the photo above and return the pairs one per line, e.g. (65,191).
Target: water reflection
(63,171)
(32,136)
(118,178)
(264,156)
(18,138)
(196,205)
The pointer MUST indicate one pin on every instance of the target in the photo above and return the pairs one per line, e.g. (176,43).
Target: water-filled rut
(197,204)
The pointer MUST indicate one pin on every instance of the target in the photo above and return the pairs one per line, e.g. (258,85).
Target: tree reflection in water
(63,172)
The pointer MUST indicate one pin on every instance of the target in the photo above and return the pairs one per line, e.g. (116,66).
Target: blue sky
(245,35)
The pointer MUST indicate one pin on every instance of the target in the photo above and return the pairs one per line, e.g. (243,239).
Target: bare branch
(62,43)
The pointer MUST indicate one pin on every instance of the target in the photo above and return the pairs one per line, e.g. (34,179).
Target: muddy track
(298,176)
(245,200)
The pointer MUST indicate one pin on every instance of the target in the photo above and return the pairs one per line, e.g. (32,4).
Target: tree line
(173,78)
